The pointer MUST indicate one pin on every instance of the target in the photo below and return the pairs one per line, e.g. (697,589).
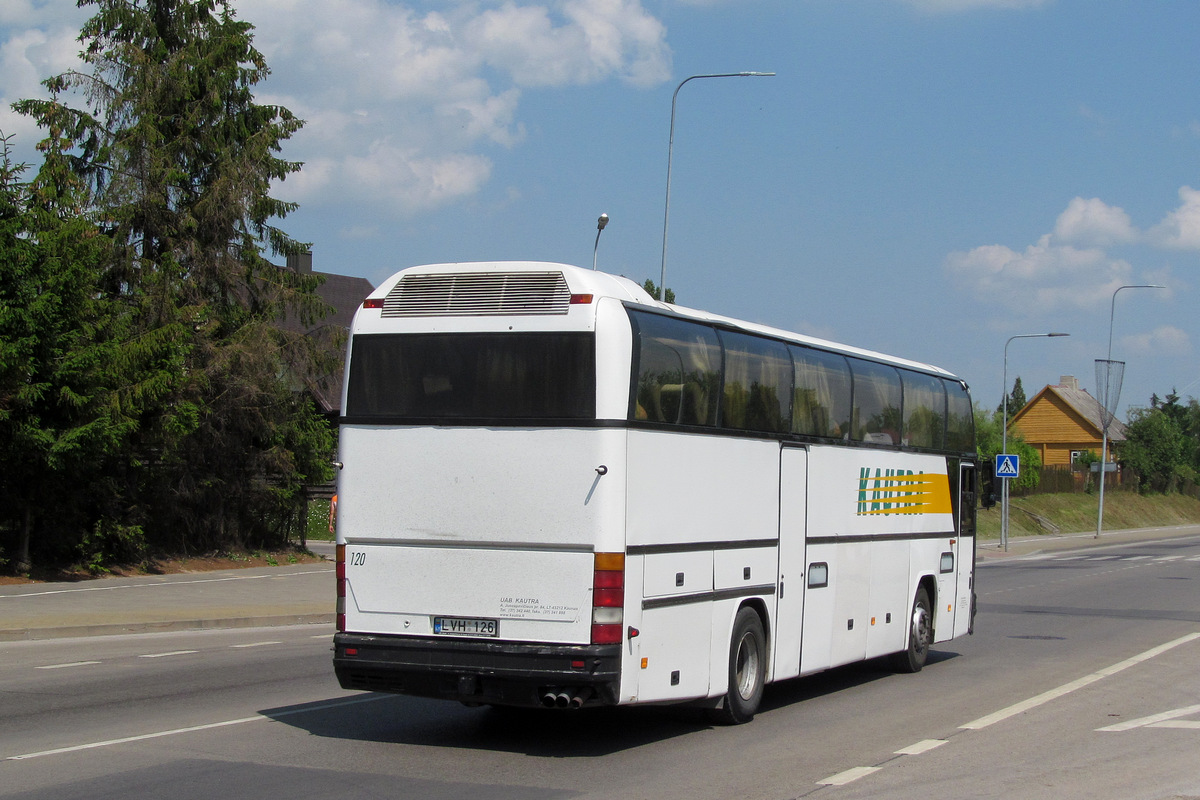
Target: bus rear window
(472,377)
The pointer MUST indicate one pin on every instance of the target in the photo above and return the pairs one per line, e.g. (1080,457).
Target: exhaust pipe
(549,699)
(581,697)
(562,700)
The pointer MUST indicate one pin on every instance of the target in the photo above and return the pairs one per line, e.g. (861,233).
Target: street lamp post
(1004,432)
(1106,415)
(600,225)
(662,279)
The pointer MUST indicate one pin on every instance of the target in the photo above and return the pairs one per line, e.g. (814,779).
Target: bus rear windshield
(468,378)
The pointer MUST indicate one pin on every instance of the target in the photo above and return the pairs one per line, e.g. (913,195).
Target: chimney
(1066,381)
(300,262)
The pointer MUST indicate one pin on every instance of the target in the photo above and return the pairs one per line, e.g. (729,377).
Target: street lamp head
(1058,334)
(600,223)
(756,74)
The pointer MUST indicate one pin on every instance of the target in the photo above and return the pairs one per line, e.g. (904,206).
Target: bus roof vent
(478,294)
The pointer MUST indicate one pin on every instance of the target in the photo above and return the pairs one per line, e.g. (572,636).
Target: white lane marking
(842,778)
(1152,719)
(1079,683)
(1168,558)
(224,724)
(252,644)
(18,596)
(71,664)
(172,653)
(1192,724)
(923,746)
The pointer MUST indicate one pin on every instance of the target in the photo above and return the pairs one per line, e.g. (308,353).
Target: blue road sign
(1007,465)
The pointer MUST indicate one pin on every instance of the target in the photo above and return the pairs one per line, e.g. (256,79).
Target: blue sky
(922,177)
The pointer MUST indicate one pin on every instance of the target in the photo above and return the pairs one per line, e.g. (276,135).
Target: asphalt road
(1080,682)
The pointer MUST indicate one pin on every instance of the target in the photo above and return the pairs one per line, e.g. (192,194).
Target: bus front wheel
(747,670)
(913,657)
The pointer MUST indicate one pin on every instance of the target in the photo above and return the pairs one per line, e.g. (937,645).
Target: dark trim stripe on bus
(708,597)
(851,538)
(698,547)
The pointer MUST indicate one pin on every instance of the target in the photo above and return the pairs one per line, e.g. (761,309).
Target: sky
(925,178)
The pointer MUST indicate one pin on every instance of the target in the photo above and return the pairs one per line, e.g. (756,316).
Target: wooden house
(1065,421)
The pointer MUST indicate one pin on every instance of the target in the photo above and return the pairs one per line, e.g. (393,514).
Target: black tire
(920,636)
(747,670)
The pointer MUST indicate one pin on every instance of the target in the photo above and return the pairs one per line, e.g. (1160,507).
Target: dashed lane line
(923,746)
(68,665)
(194,728)
(849,776)
(1165,720)
(1079,683)
(168,655)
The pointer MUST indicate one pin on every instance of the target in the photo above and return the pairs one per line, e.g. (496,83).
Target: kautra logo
(899,491)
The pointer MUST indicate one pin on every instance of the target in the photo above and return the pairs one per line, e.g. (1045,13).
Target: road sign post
(1008,465)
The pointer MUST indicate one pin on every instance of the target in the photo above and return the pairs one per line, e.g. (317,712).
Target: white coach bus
(557,491)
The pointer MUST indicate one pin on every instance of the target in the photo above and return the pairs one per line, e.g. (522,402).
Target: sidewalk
(234,598)
(297,594)
(990,549)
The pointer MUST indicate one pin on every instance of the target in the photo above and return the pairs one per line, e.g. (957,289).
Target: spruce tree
(178,161)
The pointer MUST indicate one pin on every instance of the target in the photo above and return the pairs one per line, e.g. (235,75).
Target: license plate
(465,626)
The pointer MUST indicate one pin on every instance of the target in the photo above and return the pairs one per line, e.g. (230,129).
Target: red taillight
(373,302)
(340,571)
(608,598)
(581,299)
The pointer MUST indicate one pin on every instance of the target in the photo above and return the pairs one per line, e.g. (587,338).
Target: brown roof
(344,294)
(1083,404)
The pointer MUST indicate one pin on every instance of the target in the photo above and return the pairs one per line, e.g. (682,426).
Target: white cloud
(402,105)
(1180,230)
(1163,340)
(27,57)
(1093,222)
(1044,277)
(367,75)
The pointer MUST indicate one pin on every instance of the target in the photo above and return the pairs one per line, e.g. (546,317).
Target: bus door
(968,489)
(793,519)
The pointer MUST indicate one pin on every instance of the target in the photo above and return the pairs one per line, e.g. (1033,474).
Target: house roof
(344,294)
(1087,407)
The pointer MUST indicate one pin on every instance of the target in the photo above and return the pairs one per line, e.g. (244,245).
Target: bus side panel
(683,495)
(816,645)
(889,598)
(703,488)
(881,521)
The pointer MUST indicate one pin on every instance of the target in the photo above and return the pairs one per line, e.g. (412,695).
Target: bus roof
(602,284)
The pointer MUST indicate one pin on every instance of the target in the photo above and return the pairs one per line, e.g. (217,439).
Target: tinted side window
(960,419)
(877,397)
(924,410)
(758,383)
(679,371)
(821,400)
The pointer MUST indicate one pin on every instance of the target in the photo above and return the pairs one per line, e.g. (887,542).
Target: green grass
(318,521)
(1074,513)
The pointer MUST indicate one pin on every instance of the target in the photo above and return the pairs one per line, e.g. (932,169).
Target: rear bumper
(474,671)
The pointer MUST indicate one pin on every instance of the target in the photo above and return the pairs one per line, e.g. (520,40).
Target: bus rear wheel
(747,670)
(913,657)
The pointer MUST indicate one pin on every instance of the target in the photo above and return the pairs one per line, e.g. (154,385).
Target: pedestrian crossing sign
(1007,465)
